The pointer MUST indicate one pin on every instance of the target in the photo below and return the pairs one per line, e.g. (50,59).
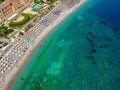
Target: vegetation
(41,1)
(5,44)
(53,1)
(2,1)
(38,1)
(21,33)
(51,6)
(30,15)
(27,17)
(38,10)
(4,31)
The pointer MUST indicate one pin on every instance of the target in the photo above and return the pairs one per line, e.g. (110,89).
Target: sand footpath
(14,73)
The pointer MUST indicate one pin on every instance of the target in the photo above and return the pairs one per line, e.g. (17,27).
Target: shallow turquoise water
(82,54)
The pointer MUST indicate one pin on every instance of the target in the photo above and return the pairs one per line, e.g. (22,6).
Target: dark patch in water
(91,42)
(91,57)
(103,46)
(93,35)
(115,29)
(93,50)
(92,22)
(107,39)
(22,78)
(109,19)
(103,22)
(90,25)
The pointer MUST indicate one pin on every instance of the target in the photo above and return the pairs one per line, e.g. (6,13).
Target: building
(10,8)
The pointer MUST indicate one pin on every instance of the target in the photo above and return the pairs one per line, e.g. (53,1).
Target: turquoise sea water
(82,54)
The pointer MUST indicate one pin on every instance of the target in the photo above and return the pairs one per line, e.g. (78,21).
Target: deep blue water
(82,54)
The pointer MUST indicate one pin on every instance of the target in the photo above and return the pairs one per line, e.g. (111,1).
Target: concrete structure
(10,8)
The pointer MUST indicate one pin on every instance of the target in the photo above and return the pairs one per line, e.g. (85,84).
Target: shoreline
(15,72)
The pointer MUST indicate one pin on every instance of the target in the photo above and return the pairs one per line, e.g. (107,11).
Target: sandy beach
(14,73)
